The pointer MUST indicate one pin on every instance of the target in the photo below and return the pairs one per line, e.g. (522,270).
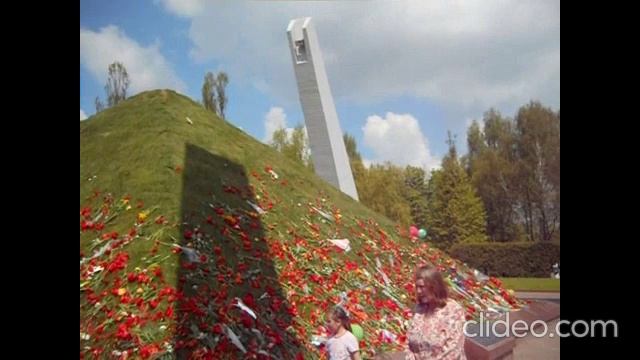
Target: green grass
(135,147)
(532,284)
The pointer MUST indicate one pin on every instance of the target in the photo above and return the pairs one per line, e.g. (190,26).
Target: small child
(342,345)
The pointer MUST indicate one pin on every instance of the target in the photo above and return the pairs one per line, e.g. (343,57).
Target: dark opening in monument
(301,52)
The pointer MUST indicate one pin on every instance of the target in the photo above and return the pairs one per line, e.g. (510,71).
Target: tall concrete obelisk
(329,154)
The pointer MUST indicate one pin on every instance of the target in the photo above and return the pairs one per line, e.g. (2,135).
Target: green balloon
(422,233)
(357,331)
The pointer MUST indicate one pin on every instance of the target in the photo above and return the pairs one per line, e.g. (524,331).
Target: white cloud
(466,56)
(274,120)
(83,116)
(185,8)
(146,66)
(399,140)
(396,138)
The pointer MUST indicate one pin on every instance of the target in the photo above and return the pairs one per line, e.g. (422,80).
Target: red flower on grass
(86,225)
(85,212)
(123,332)
(147,351)
(119,263)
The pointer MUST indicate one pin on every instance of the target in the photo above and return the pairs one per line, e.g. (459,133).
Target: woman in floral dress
(436,329)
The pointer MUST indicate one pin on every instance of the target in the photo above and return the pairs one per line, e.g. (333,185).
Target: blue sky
(402,73)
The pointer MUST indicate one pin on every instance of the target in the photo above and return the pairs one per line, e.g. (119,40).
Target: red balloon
(413,231)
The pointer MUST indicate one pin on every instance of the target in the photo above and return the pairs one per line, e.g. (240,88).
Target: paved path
(534,348)
(538,295)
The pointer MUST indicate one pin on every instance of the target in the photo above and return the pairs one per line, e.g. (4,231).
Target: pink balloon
(413,231)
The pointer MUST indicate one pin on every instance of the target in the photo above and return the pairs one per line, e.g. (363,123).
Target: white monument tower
(329,154)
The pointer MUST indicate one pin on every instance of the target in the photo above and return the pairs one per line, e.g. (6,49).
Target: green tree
(222,80)
(99,105)
(383,191)
(117,84)
(455,212)
(491,163)
(209,100)
(538,148)
(294,146)
(357,165)
(415,192)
